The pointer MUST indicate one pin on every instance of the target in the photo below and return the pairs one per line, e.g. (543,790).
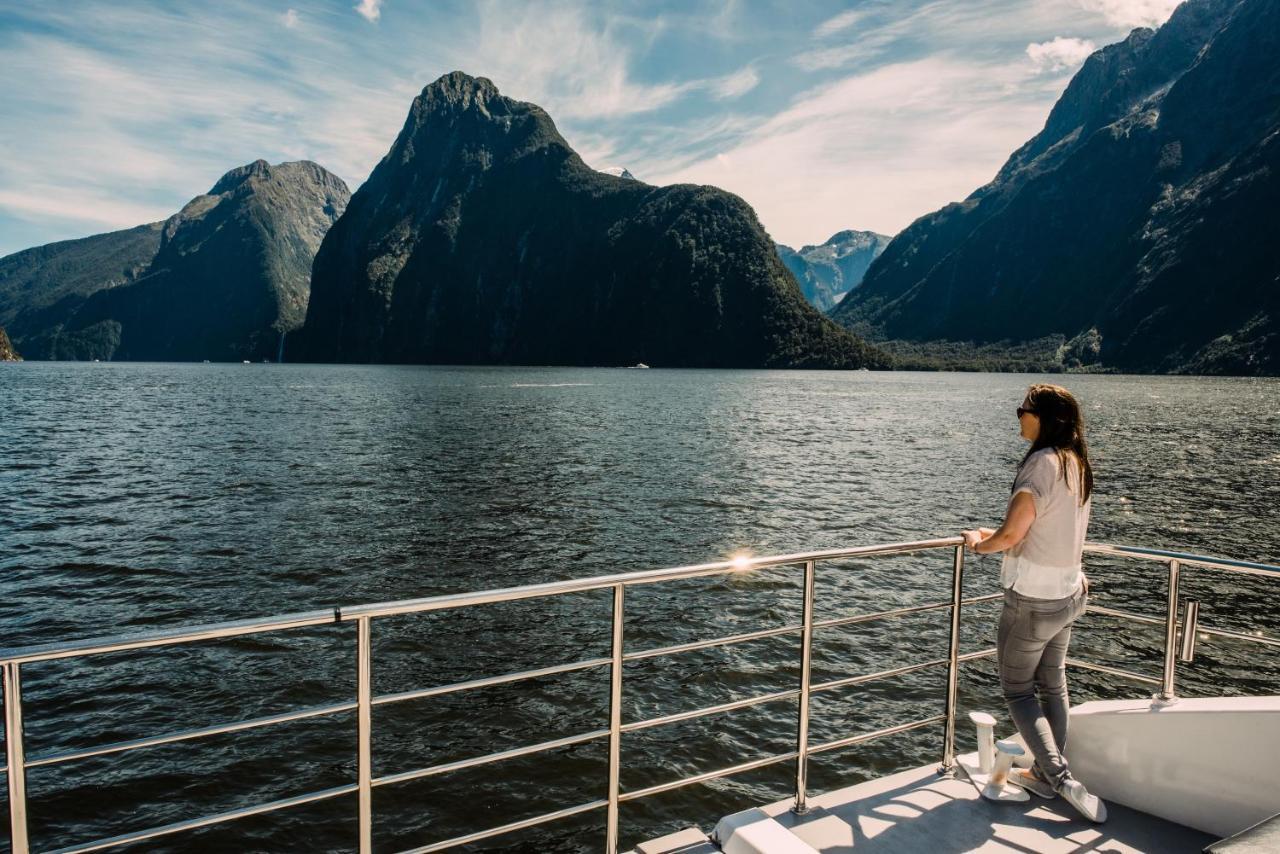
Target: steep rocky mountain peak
(482,237)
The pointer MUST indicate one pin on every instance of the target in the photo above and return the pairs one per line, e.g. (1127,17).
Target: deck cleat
(998,787)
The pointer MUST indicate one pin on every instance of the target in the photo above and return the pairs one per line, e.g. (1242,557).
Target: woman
(1044,588)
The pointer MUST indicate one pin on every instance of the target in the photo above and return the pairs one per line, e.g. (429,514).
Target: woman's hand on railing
(975,536)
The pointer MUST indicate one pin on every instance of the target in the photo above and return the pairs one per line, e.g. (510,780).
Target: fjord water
(134,496)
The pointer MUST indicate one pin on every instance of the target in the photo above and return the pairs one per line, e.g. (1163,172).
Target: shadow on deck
(919,811)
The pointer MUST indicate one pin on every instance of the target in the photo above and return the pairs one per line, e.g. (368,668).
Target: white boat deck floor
(920,811)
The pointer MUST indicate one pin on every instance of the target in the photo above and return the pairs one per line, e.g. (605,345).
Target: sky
(823,115)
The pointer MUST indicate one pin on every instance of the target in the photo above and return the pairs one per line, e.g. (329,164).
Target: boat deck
(920,811)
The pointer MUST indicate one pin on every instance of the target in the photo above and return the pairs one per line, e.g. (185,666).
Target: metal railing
(17,763)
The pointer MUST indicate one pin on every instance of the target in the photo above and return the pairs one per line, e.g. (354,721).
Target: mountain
(828,272)
(35,279)
(7,353)
(228,278)
(619,172)
(1137,226)
(482,238)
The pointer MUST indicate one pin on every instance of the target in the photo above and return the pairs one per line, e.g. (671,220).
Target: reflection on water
(133,496)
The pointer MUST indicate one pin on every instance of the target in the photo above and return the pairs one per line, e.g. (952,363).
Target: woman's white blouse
(1046,564)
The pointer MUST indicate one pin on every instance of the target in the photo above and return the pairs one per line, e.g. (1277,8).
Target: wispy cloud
(118,112)
(735,85)
(103,211)
(1060,54)
(557,57)
(116,138)
(840,22)
(890,32)
(1133,13)
(878,149)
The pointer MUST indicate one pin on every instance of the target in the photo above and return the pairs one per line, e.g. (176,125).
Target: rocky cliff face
(1141,216)
(7,353)
(230,276)
(482,237)
(828,272)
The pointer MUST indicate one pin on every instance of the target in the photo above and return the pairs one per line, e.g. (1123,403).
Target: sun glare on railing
(741,560)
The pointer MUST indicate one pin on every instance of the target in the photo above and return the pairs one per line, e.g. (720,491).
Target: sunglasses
(1022,410)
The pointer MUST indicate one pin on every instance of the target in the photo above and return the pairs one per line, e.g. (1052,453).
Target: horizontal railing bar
(1201,628)
(507,828)
(880,733)
(795,692)
(345,707)
(1126,615)
(1114,671)
(192,824)
(846,681)
(165,637)
(708,775)
(431,771)
(489,681)
(1244,566)
(976,654)
(898,612)
(119,746)
(1240,636)
(879,615)
(141,640)
(712,710)
(836,621)
(721,641)
(651,576)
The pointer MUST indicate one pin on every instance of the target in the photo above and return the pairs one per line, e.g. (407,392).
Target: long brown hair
(1061,428)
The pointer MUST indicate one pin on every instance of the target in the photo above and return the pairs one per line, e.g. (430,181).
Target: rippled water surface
(139,496)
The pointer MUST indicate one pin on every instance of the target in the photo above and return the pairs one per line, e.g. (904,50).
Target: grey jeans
(1031,648)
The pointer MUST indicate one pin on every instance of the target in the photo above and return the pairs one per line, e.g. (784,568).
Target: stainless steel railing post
(15,758)
(364,732)
(1167,693)
(802,728)
(615,723)
(953,665)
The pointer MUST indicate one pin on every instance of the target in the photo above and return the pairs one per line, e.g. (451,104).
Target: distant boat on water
(638,365)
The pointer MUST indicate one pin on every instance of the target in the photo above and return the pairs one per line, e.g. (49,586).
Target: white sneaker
(1032,783)
(1089,806)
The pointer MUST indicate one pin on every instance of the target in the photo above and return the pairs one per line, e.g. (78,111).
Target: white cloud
(97,210)
(562,60)
(1133,13)
(1060,54)
(735,85)
(843,21)
(941,27)
(370,10)
(876,150)
(837,57)
(84,83)
(107,157)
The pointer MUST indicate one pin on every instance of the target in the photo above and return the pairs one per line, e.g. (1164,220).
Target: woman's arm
(1022,512)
